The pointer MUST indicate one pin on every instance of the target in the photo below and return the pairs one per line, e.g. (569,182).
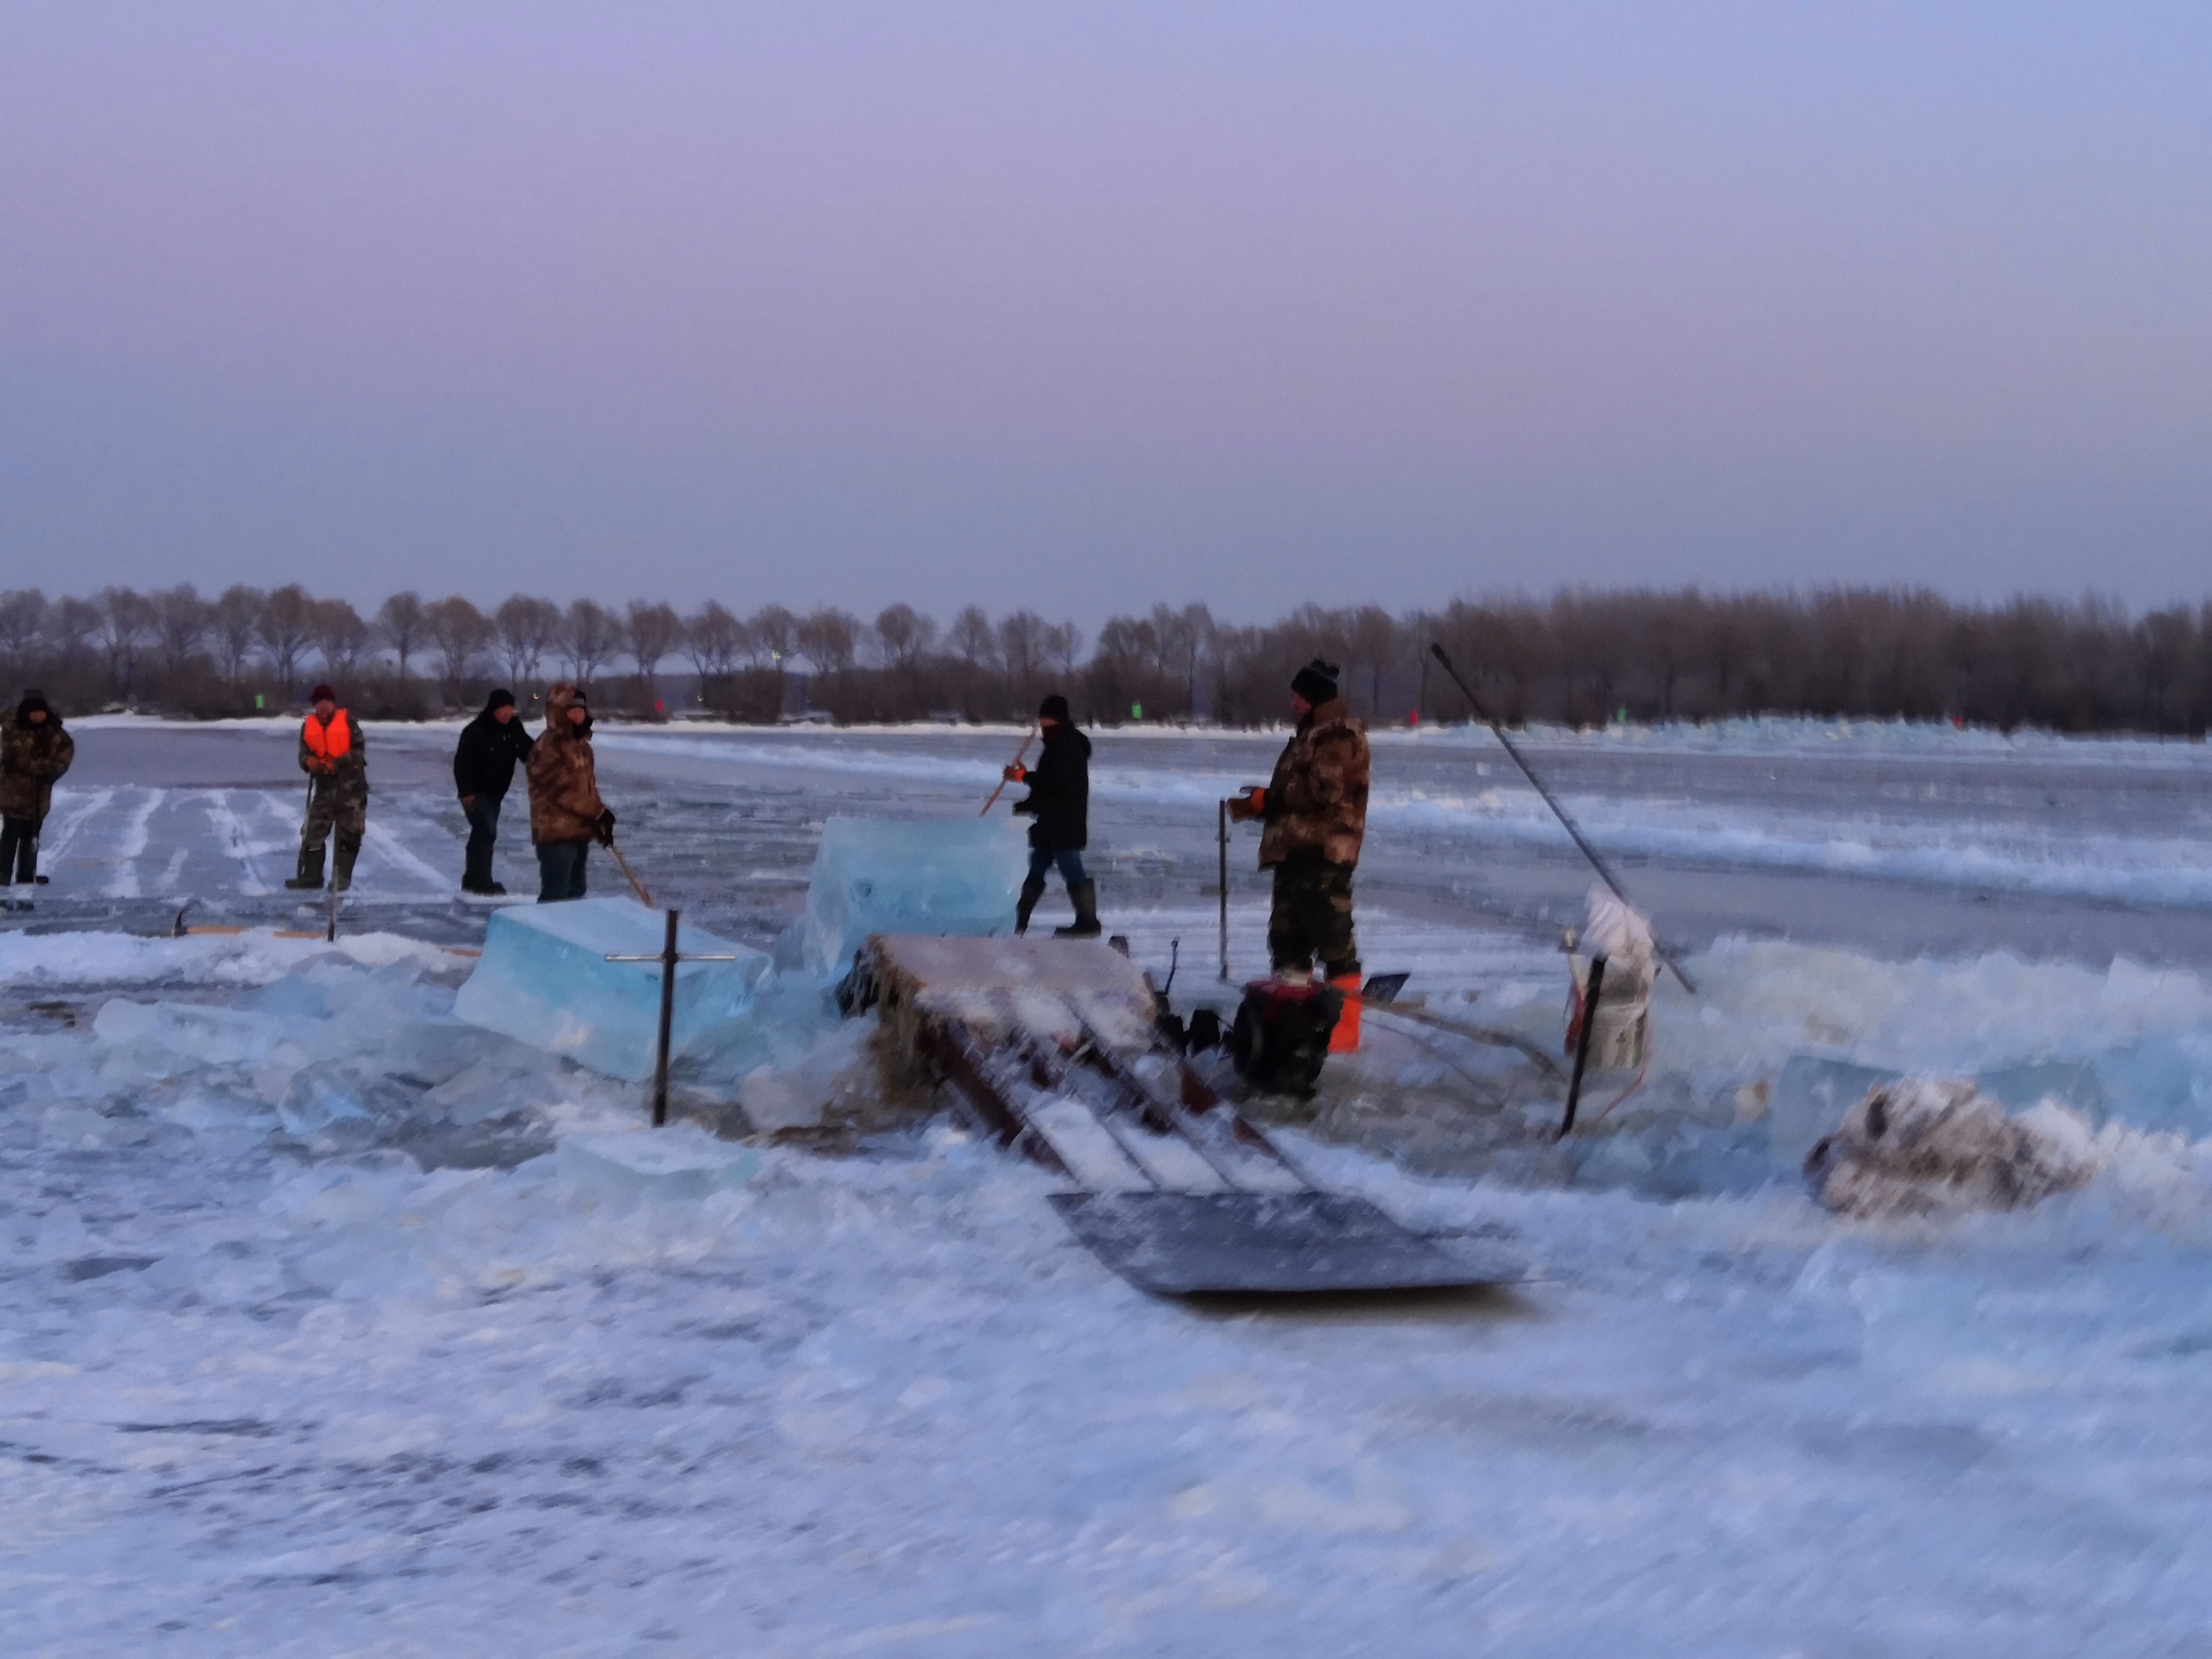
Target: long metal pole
(1223,814)
(667,1023)
(1558,811)
(1590,990)
(1027,737)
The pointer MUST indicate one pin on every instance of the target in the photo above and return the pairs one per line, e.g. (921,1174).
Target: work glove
(1016,773)
(1252,804)
(605,823)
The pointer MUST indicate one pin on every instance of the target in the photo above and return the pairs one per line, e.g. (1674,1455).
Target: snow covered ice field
(329,1324)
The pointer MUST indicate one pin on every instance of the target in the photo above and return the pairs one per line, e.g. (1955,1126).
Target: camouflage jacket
(1316,806)
(349,773)
(31,758)
(564,785)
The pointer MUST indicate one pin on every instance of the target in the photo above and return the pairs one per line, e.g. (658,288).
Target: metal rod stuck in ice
(1551,800)
(1225,892)
(667,956)
(1590,989)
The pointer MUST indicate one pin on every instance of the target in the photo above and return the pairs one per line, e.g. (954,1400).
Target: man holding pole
(332,754)
(1314,818)
(566,813)
(1058,801)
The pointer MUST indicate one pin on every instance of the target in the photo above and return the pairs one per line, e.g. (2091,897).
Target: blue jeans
(484,831)
(561,870)
(1069,859)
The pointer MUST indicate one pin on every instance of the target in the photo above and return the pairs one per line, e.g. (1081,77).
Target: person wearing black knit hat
(483,768)
(1058,801)
(1314,814)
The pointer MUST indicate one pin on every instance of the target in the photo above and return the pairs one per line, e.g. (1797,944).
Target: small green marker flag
(1136,711)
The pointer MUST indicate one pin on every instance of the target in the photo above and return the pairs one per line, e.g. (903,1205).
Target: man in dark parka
(1059,802)
(484,769)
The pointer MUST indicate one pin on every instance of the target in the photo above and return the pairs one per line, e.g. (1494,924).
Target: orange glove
(1249,806)
(1016,774)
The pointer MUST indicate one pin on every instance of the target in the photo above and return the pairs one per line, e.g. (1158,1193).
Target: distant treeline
(1581,657)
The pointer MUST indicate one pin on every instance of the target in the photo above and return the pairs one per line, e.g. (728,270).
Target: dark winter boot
(1032,890)
(1085,896)
(341,871)
(310,879)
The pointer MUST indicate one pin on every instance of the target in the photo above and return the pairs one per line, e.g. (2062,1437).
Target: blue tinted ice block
(904,876)
(544,979)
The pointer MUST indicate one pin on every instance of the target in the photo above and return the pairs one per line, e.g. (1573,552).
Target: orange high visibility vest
(328,744)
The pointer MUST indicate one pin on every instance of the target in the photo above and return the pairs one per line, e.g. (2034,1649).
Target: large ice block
(904,876)
(544,979)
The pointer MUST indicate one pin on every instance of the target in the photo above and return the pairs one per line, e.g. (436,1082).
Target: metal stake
(668,956)
(1225,892)
(1590,990)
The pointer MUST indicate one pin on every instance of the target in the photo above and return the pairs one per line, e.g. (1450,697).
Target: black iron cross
(668,956)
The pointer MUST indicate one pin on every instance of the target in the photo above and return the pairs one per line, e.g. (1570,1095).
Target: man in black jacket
(1060,800)
(483,766)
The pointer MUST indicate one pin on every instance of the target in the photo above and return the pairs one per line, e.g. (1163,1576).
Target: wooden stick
(1017,761)
(630,875)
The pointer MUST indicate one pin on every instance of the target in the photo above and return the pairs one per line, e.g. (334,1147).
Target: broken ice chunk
(1810,1098)
(677,1164)
(544,979)
(903,876)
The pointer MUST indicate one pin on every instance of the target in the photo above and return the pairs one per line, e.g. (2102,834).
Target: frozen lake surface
(328,1323)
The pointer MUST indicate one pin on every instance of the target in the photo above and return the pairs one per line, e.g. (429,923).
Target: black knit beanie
(1315,682)
(1054,708)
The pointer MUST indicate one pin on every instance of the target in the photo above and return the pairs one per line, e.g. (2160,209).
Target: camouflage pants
(335,806)
(1312,917)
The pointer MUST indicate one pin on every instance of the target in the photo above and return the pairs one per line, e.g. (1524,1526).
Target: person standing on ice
(1059,801)
(1314,818)
(566,813)
(332,756)
(484,770)
(35,752)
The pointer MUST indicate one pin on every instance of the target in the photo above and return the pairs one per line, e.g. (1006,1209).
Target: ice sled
(544,979)
(957,876)
(1050,1047)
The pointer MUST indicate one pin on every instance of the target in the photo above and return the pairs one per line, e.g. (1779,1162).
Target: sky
(1087,307)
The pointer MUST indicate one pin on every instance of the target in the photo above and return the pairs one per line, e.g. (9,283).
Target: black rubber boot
(1085,896)
(342,871)
(310,879)
(1032,890)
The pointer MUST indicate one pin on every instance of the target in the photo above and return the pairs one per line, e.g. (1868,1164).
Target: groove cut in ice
(903,876)
(544,979)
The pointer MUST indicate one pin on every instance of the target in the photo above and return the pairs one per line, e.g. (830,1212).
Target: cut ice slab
(544,979)
(904,876)
(677,1164)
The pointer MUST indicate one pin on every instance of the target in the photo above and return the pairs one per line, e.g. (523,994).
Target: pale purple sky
(1084,307)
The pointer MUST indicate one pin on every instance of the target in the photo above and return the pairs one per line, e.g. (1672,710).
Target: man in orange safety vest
(331,753)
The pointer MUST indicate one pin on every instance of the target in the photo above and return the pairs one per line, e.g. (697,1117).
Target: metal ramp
(1048,1049)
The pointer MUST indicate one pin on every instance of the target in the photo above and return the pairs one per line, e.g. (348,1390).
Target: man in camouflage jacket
(1314,818)
(566,813)
(333,755)
(34,753)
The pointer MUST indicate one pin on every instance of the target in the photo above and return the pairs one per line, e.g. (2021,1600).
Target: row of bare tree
(1579,656)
